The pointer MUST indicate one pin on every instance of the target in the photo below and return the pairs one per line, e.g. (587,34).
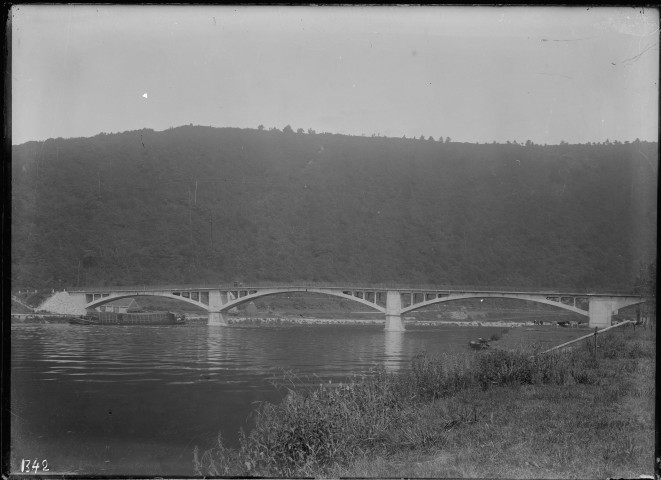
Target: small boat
(477,345)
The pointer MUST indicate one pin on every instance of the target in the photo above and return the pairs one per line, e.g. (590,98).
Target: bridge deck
(350,286)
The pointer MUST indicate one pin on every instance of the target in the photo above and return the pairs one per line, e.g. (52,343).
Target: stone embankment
(301,321)
(486,323)
(59,302)
(348,321)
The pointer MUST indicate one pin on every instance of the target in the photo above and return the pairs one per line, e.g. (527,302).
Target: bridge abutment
(602,309)
(394,312)
(65,303)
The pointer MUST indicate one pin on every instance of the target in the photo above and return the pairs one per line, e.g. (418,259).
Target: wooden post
(595,342)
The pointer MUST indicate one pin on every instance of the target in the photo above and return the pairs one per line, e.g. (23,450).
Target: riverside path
(392,301)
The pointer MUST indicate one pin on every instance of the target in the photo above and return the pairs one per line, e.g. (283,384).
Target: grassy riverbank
(497,413)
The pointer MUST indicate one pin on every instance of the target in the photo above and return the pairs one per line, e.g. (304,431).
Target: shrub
(612,346)
(640,350)
(312,430)
(426,378)
(550,368)
(584,376)
(500,367)
(218,461)
(498,336)
(434,377)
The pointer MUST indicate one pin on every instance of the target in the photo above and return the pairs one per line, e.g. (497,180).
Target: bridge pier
(394,312)
(600,313)
(394,323)
(216,318)
(393,342)
(602,309)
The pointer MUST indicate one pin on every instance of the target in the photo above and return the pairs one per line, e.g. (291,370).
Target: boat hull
(112,318)
(83,321)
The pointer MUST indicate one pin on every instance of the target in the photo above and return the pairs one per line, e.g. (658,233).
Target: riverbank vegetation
(505,414)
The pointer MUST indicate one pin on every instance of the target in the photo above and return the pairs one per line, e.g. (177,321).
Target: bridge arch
(531,298)
(269,292)
(110,298)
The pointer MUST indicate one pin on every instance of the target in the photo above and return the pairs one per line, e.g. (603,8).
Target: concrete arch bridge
(393,302)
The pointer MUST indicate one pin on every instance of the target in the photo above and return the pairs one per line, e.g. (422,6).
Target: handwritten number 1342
(27,465)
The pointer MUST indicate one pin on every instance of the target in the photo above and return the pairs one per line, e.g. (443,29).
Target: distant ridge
(199,204)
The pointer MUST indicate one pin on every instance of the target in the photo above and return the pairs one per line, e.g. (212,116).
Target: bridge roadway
(392,301)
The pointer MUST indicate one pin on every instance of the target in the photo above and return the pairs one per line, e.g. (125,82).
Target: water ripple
(161,387)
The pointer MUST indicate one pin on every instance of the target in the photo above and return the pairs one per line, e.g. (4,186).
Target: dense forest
(199,204)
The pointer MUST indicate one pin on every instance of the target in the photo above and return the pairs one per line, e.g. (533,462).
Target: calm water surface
(136,400)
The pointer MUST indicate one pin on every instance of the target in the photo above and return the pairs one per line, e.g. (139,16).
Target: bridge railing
(554,291)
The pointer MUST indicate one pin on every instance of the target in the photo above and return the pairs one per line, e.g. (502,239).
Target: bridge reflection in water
(393,302)
(393,343)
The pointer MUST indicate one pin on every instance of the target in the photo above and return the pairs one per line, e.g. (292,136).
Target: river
(136,400)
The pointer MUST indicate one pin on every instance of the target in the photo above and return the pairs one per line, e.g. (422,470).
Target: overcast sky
(476,74)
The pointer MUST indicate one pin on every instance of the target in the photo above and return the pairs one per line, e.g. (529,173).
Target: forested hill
(199,204)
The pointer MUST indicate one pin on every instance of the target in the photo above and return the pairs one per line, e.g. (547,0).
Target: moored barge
(113,318)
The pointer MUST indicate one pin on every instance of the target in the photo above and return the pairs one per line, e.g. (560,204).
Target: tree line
(199,204)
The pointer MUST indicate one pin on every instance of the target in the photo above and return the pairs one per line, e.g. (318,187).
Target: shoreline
(502,414)
(291,320)
(406,322)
